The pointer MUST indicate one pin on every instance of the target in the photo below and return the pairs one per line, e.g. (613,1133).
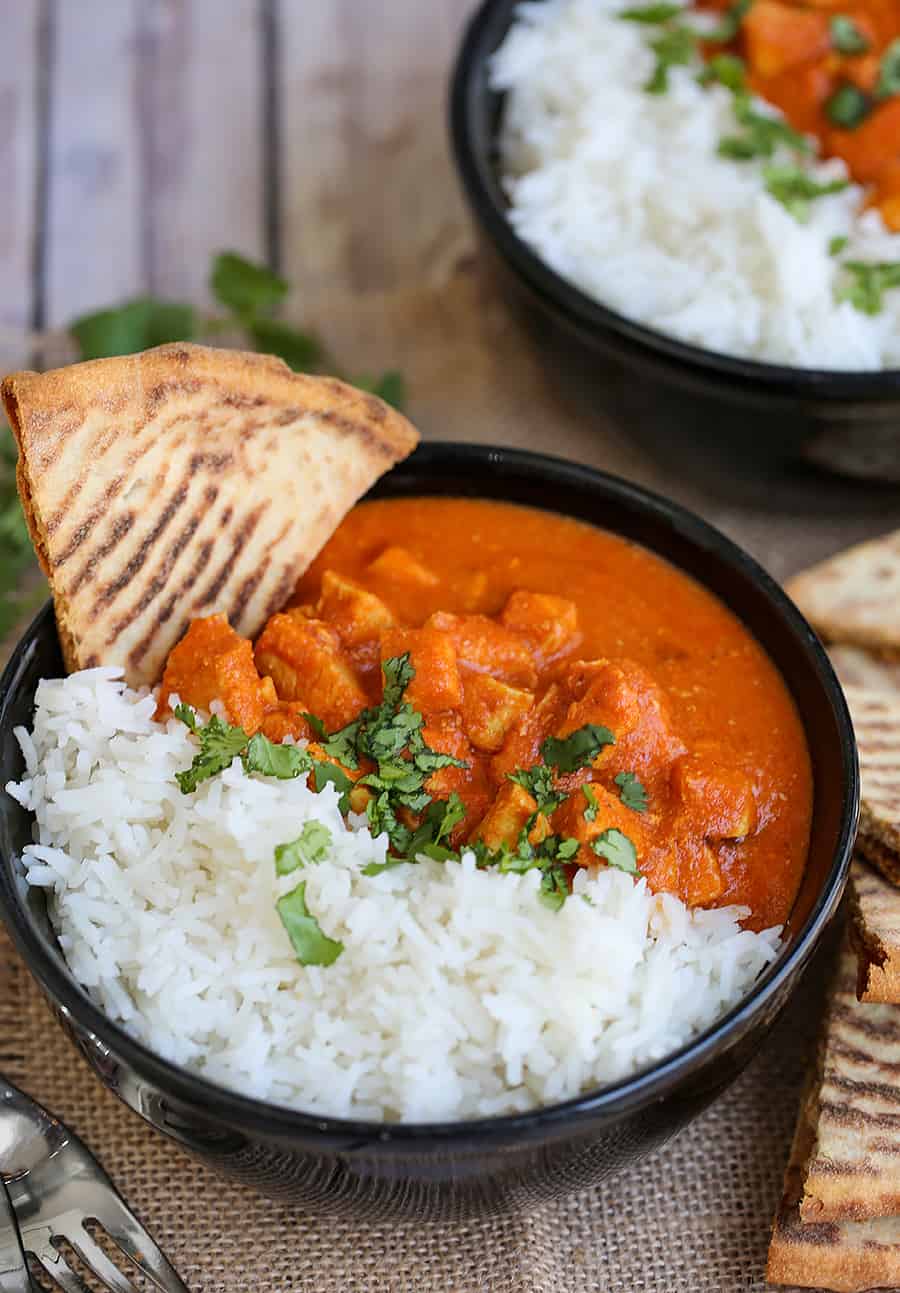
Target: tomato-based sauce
(594,700)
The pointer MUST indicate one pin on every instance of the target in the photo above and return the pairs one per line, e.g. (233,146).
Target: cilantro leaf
(675,47)
(869,280)
(795,190)
(616,849)
(136,325)
(761,134)
(220,744)
(554,888)
(282,761)
(727,70)
(579,748)
(889,71)
(325,773)
(846,37)
(633,795)
(538,781)
(847,107)
(245,288)
(651,13)
(317,726)
(187,716)
(390,387)
(299,350)
(310,847)
(837,244)
(311,945)
(593,806)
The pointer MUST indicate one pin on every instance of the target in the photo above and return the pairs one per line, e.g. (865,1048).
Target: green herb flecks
(593,805)
(616,849)
(271,760)
(310,847)
(868,282)
(221,743)
(794,189)
(725,69)
(846,37)
(632,793)
(579,748)
(761,134)
(651,13)
(847,107)
(674,47)
(837,244)
(311,945)
(889,71)
(730,24)
(539,783)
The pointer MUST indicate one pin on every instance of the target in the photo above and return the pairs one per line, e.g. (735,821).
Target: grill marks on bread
(183,481)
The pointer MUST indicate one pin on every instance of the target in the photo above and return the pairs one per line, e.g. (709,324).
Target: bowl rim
(271,1120)
(486,27)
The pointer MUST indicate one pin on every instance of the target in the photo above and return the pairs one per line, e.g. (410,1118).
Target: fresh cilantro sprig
(846,37)
(794,189)
(868,282)
(760,134)
(221,743)
(309,848)
(632,792)
(578,749)
(617,850)
(888,82)
(311,945)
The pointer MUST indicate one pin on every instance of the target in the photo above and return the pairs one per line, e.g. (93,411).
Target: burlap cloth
(694,1217)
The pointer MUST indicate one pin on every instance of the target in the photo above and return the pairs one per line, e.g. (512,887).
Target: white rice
(458,994)
(623,193)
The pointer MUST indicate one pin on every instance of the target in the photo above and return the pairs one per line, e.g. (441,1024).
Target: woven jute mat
(693,1218)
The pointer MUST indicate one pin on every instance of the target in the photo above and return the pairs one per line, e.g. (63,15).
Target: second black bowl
(760,411)
(450,1170)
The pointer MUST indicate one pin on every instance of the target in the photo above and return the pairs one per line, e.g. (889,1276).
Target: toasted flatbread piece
(862,667)
(855,595)
(847,1256)
(876,721)
(184,481)
(853,1172)
(875,934)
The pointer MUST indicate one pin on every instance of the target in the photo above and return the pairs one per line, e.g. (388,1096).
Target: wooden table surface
(138,137)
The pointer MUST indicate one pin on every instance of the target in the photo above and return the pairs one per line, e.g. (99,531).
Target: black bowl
(456,1169)
(760,410)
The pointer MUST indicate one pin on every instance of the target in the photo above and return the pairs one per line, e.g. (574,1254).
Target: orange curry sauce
(523,624)
(794,61)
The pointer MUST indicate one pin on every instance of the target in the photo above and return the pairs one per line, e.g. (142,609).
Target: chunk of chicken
(522,747)
(401,567)
(507,816)
(491,708)
(357,615)
(624,697)
(212,662)
(610,813)
(304,658)
(716,801)
(549,625)
(484,646)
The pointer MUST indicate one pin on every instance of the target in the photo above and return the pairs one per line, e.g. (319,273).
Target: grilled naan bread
(875,933)
(876,722)
(855,595)
(183,481)
(862,667)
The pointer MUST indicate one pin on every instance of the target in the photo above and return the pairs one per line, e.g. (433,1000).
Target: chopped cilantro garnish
(795,190)
(869,282)
(633,794)
(569,753)
(593,806)
(616,849)
(554,888)
(317,726)
(325,773)
(538,781)
(846,37)
(761,134)
(847,107)
(837,244)
(675,47)
(282,761)
(651,13)
(186,715)
(730,25)
(889,72)
(311,945)
(727,70)
(311,846)
(220,744)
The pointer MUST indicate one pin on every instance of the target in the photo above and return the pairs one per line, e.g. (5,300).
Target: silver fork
(56,1185)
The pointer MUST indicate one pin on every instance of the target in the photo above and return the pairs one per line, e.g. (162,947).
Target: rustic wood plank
(369,197)
(19,125)
(93,252)
(201,123)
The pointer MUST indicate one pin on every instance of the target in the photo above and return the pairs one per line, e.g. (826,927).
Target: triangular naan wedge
(855,595)
(876,721)
(853,1172)
(875,934)
(183,481)
(861,667)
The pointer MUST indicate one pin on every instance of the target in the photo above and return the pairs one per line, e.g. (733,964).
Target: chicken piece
(780,37)
(871,145)
(437,685)
(283,719)
(507,816)
(445,736)
(305,660)
(484,646)
(401,567)
(623,697)
(522,747)
(357,615)
(610,813)
(490,709)
(700,881)
(715,801)
(548,625)
(212,662)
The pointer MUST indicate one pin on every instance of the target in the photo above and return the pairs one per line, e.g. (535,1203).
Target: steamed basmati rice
(458,994)
(623,193)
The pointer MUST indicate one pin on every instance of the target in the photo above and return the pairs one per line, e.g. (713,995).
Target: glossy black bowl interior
(762,407)
(455,1169)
